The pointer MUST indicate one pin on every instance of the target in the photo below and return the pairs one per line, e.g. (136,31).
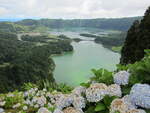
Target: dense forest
(138,39)
(22,61)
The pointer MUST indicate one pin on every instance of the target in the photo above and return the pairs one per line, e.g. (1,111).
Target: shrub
(13,98)
(28,86)
(100,107)
(102,76)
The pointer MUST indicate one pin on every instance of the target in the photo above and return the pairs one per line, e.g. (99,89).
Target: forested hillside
(138,39)
(27,61)
(115,24)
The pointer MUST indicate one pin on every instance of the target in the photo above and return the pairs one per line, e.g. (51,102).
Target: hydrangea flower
(49,95)
(50,105)
(25,108)
(96,92)
(127,100)
(58,111)
(30,93)
(36,106)
(121,78)
(2,103)
(124,105)
(140,95)
(78,102)
(136,111)
(114,90)
(72,110)
(10,95)
(27,101)
(64,101)
(43,110)
(1,110)
(41,101)
(56,97)
(79,90)
(118,105)
(16,105)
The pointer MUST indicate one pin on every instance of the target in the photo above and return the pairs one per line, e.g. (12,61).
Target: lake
(75,67)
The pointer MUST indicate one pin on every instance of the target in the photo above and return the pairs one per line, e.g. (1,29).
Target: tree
(137,40)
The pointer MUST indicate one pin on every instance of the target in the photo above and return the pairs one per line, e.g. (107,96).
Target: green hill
(100,23)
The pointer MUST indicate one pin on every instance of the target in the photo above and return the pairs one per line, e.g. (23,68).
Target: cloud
(72,8)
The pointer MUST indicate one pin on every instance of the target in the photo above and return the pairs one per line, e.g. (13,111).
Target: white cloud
(72,8)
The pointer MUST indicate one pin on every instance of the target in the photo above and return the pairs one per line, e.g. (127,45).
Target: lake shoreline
(74,67)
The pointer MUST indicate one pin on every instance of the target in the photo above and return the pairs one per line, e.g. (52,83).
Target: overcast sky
(68,9)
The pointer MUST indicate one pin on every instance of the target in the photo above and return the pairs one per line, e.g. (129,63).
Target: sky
(69,9)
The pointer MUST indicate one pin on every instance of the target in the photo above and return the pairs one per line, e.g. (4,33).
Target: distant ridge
(10,19)
(122,24)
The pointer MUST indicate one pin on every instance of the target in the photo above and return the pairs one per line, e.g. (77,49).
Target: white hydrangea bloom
(50,105)
(136,111)
(44,90)
(118,105)
(140,95)
(36,106)
(34,100)
(10,95)
(36,89)
(2,103)
(114,90)
(64,101)
(25,108)
(26,94)
(41,93)
(96,92)
(30,93)
(79,90)
(48,94)
(27,101)
(2,110)
(72,110)
(122,105)
(78,102)
(56,97)
(43,110)
(41,101)
(58,111)
(121,78)
(128,102)
(16,105)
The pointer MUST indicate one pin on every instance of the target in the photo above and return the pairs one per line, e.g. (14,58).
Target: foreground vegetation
(106,92)
(28,59)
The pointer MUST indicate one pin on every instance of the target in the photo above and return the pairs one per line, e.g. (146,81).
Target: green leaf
(108,100)
(90,110)
(85,85)
(100,107)
(117,112)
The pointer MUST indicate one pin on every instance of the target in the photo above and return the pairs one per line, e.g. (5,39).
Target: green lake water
(75,67)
